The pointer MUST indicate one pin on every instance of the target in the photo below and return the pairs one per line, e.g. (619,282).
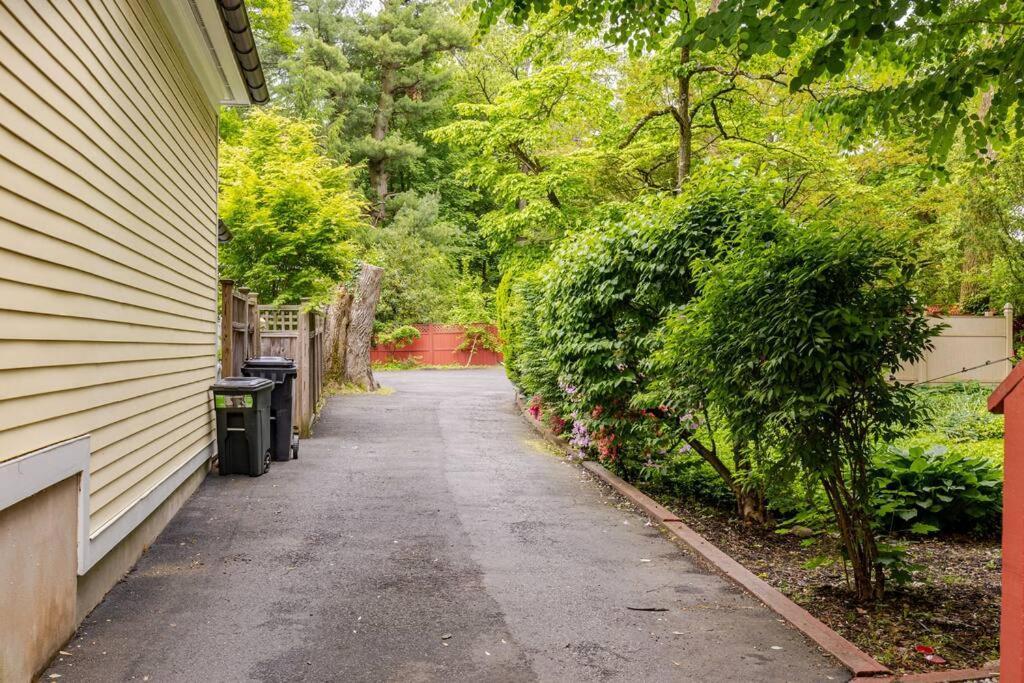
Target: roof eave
(243,44)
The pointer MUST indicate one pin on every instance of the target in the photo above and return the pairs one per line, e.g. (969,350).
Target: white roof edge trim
(199,30)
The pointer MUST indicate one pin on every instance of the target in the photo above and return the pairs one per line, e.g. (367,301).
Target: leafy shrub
(792,338)
(960,412)
(607,290)
(690,476)
(527,358)
(399,337)
(930,490)
(293,211)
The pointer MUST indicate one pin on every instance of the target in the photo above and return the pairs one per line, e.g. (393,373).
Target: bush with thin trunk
(793,339)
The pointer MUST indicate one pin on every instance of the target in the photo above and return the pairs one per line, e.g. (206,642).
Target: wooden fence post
(302,382)
(227,326)
(241,351)
(254,325)
(1008,314)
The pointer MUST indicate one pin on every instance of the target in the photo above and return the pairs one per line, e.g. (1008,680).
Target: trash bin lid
(269,362)
(240,384)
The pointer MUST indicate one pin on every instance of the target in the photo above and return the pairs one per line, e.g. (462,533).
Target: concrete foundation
(38,566)
(101,578)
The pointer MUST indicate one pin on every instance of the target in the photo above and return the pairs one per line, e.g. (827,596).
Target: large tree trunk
(682,107)
(379,175)
(360,328)
(336,335)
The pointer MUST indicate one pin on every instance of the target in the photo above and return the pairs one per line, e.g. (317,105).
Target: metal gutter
(236,22)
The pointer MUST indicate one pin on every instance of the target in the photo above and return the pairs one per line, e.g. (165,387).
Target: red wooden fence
(437,345)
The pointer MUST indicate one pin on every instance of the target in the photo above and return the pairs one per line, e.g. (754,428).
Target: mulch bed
(952,605)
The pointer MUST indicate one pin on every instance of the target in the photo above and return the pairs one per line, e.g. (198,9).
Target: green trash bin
(242,405)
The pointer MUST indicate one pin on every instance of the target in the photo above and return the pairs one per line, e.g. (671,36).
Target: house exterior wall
(108,294)
(108,252)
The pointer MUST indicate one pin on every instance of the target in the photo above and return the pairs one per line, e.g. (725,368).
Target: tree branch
(648,117)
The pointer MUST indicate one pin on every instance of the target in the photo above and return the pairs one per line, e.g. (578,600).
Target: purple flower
(580,438)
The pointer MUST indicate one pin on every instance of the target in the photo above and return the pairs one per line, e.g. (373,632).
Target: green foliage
(926,491)
(528,360)
(939,68)
(527,134)
(271,24)
(398,337)
(933,61)
(792,339)
(472,306)
(608,287)
(291,210)
(959,412)
(974,241)
(376,81)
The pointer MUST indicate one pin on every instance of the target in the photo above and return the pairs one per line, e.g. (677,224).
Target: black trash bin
(242,405)
(282,371)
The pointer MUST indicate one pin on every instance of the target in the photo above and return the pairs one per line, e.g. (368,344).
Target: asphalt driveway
(426,535)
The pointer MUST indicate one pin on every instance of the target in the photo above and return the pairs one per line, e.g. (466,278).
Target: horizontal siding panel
(80,193)
(121,180)
(18,354)
(44,407)
(59,200)
(123,63)
(173,80)
(136,44)
(156,109)
(44,273)
(29,228)
(74,78)
(38,381)
(108,247)
(146,477)
(143,171)
(22,325)
(112,441)
(104,423)
(17,296)
(158,439)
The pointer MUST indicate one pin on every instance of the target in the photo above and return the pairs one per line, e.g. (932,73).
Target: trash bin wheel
(295,451)
(266,461)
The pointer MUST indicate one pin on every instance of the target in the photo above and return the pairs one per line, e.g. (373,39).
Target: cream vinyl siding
(108,251)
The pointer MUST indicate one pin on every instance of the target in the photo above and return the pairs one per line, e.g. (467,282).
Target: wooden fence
(969,341)
(293,332)
(239,328)
(438,345)
(249,330)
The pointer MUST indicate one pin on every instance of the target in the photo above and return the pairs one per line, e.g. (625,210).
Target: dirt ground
(952,604)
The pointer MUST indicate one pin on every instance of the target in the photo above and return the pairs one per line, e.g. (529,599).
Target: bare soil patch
(952,605)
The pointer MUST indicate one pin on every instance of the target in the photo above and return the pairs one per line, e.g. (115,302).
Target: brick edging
(853,658)
(860,663)
(949,676)
(849,655)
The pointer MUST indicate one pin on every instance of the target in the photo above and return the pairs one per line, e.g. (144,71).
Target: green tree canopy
(941,69)
(292,211)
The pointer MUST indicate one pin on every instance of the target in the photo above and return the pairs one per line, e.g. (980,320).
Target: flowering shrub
(535,408)
(603,297)
(557,424)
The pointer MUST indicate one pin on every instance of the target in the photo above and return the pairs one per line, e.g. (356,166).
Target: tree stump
(336,322)
(358,369)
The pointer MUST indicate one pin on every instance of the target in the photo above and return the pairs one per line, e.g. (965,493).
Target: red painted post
(1008,399)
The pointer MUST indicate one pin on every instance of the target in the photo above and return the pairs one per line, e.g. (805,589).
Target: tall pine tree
(374,81)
